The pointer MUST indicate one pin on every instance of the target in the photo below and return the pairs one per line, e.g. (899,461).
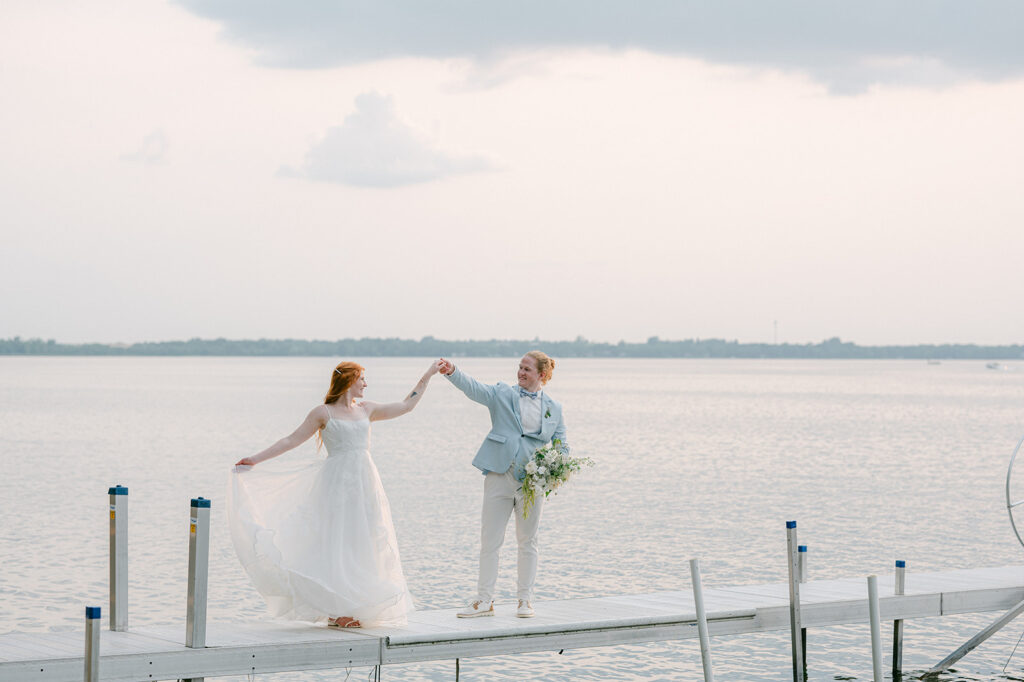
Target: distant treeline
(428,346)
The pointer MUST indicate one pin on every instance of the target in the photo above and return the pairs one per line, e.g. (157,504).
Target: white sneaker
(477,609)
(524,610)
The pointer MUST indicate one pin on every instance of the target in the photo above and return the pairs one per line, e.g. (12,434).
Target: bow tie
(526,394)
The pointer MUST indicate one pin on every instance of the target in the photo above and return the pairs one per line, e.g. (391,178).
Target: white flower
(531,467)
(542,470)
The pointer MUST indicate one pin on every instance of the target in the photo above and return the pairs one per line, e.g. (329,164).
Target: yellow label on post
(192,528)
(111,514)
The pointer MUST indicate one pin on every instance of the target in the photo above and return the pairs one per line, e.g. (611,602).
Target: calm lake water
(876,460)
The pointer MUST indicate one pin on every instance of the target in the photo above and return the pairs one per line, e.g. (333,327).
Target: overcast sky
(553,168)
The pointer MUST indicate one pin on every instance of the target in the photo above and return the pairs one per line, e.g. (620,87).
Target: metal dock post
(801,551)
(118,558)
(876,628)
(897,625)
(794,603)
(92,644)
(702,620)
(198,574)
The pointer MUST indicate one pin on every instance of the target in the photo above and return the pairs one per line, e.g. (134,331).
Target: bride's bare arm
(377,411)
(314,421)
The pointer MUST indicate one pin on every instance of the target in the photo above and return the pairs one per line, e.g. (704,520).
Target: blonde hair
(545,365)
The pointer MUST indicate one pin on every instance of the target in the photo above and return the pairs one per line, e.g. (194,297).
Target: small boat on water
(995,365)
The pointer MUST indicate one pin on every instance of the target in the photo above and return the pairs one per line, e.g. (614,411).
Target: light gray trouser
(502,495)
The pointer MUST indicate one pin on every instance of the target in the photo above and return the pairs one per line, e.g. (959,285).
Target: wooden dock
(233,649)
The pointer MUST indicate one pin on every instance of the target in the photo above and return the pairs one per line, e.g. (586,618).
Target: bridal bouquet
(549,469)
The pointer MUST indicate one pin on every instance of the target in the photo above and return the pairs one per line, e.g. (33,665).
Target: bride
(316,538)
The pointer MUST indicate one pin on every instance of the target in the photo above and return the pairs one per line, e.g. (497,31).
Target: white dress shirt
(529,413)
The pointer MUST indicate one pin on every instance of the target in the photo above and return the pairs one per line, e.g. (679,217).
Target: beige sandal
(348,622)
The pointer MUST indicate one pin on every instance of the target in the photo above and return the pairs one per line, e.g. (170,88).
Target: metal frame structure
(1009,504)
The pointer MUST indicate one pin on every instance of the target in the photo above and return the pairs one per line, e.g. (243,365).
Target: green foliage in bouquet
(549,469)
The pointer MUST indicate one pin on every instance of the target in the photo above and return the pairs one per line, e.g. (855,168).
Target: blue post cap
(201,503)
(801,548)
(92,612)
(900,563)
(790,524)
(118,490)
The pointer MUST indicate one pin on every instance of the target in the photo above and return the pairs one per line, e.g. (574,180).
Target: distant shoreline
(428,346)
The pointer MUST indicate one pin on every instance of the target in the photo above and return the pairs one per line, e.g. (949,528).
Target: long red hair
(344,375)
(342,378)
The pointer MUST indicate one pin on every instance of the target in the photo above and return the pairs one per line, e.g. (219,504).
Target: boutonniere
(547,415)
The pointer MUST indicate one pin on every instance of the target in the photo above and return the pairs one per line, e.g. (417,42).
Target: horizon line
(651,340)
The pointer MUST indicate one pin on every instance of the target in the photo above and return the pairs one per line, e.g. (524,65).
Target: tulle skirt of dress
(317,540)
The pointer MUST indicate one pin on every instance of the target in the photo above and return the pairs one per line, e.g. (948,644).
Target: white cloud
(639,195)
(373,147)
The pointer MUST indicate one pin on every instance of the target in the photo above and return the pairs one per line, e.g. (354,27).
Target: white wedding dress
(316,537)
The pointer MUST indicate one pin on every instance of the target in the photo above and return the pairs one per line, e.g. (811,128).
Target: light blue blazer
(506,444)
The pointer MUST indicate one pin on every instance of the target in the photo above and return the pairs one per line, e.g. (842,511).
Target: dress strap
(328,411)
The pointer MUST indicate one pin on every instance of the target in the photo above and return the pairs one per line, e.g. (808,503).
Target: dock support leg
(803,649)
(702,620)
(92,644)
(897,625)
(973,642)
(801,552)
(118,558)
(198,575)
(876,628)
(794,603)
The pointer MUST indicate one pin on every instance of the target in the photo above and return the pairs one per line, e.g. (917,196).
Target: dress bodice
(346,436)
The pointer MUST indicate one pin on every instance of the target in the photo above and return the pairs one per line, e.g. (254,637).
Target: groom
(523,419)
